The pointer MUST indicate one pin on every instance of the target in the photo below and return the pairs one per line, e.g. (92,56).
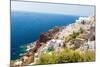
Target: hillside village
(78,38)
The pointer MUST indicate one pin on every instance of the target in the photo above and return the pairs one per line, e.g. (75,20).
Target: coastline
(69,30)
(56,36)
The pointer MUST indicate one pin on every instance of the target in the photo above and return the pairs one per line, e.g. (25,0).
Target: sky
(66,9)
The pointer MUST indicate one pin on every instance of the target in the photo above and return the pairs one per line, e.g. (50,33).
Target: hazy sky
(66,9)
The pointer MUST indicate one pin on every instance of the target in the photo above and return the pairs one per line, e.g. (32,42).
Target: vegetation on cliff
(66,56)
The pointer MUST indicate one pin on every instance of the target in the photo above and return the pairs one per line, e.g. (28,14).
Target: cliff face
(46,36)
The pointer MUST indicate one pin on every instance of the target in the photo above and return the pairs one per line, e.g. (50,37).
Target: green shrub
(47,59)
(89,56)
(51,48)
(76,57)
(66,56)
(81,30)
(73,35)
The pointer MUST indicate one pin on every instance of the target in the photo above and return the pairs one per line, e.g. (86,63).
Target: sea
(26,28)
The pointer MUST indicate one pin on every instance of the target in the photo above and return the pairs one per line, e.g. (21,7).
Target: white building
(54,43)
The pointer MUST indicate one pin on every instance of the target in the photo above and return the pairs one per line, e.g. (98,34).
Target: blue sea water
(27,26)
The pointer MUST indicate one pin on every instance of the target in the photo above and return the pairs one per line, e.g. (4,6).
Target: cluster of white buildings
(56,44)
(75,27)
(52,44)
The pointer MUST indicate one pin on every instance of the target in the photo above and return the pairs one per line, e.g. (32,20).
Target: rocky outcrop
(44,37)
